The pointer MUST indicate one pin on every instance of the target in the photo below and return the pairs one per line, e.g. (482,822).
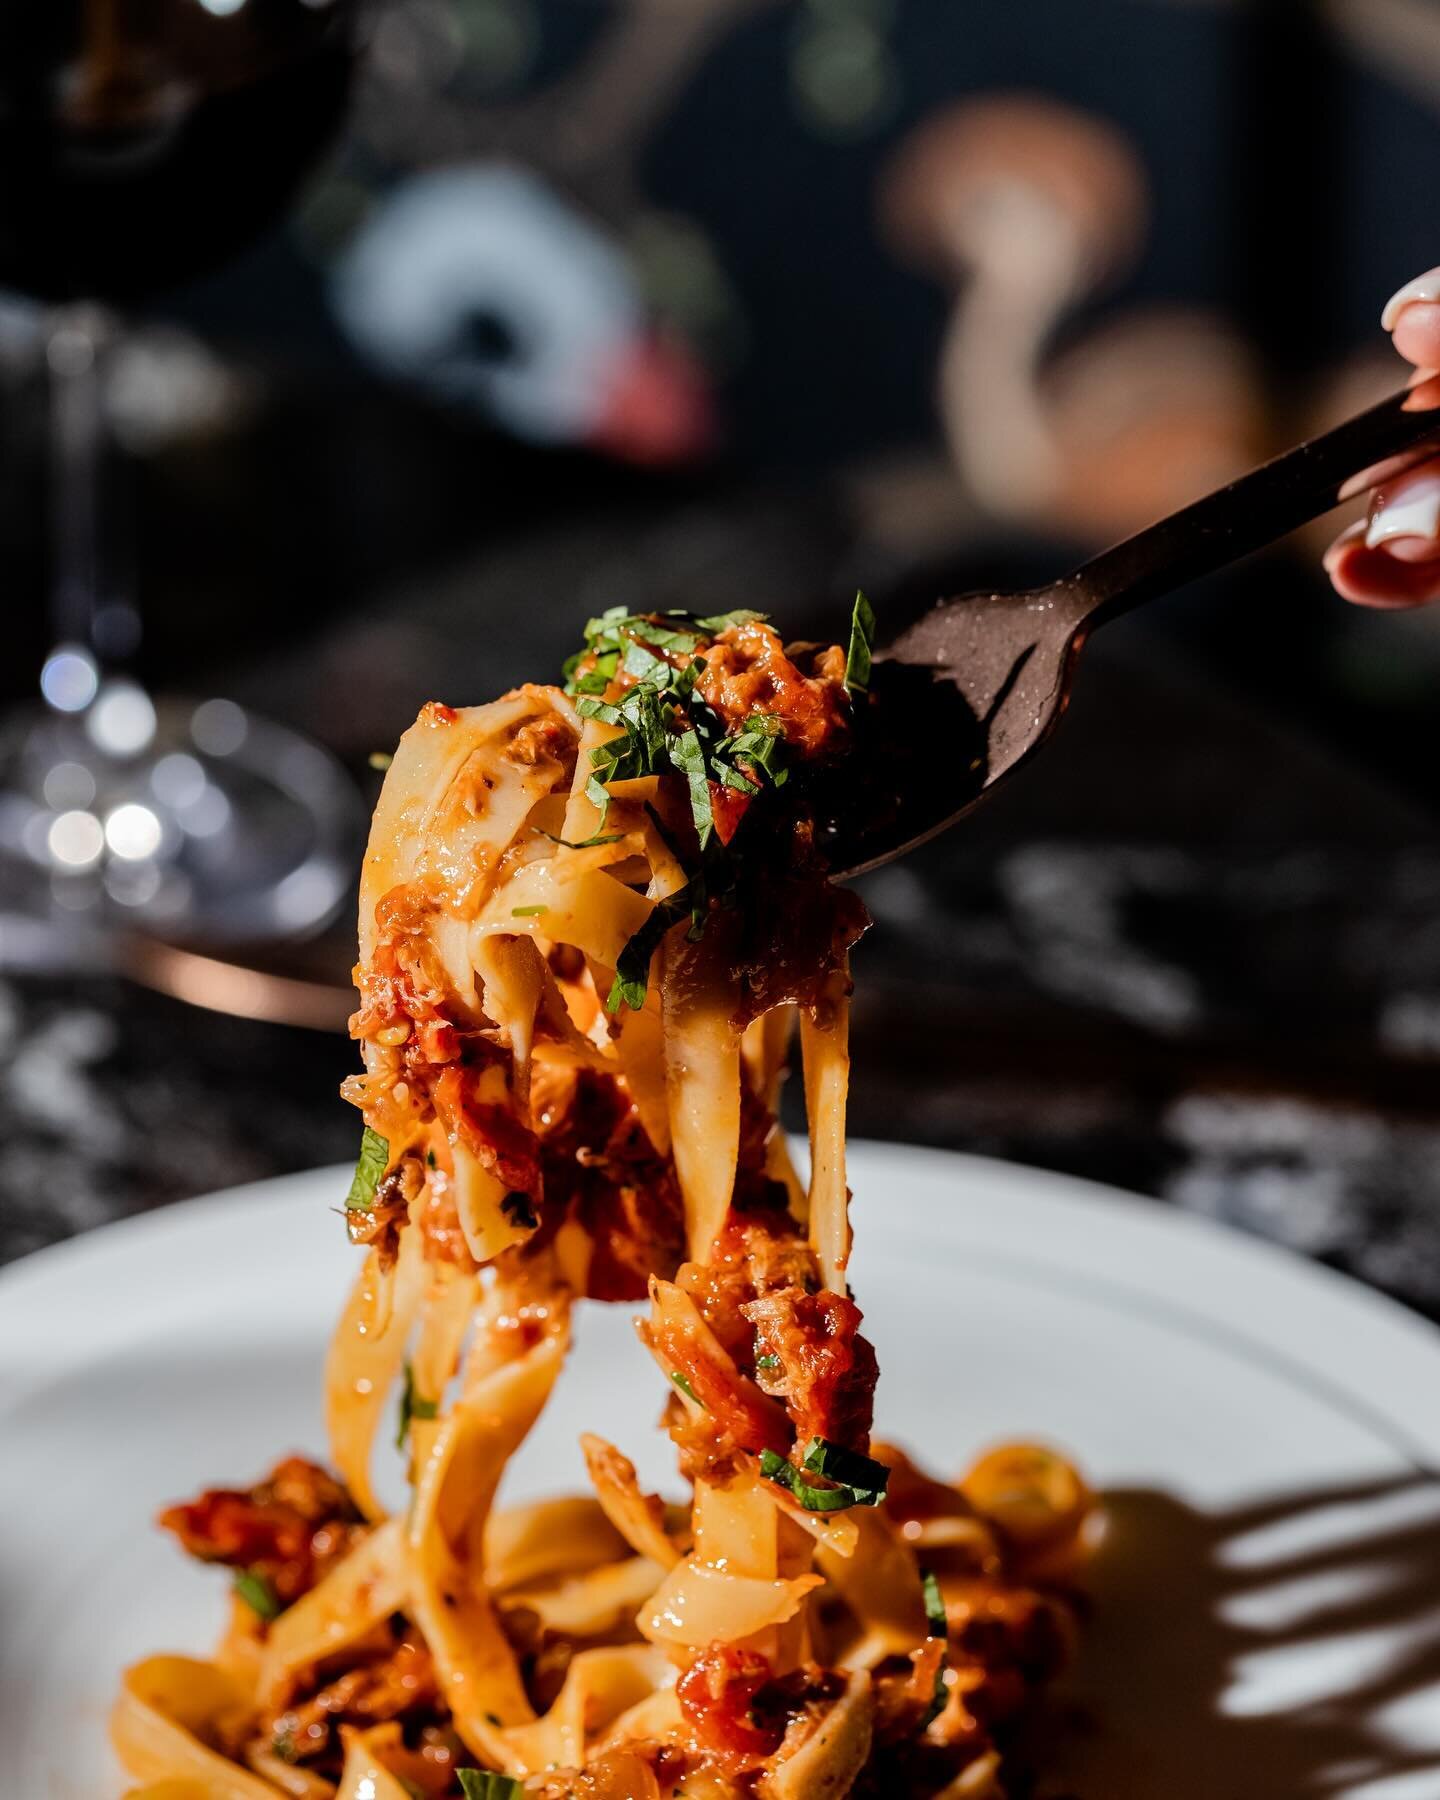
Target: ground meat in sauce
(379,1225)
(903,1689)
(395,1680)
(756,1253)
(600,1168)
(827,1371)
(747,671)
(717,1696)
(550,738)
(290,1529)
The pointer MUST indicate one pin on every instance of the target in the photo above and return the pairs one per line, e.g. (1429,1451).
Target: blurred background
(353,356)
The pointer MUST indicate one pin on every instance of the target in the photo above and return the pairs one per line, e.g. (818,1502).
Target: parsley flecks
(661,722)
(862,645)
(413,1405)
(485,1784)
(860,1481)
(767,1362)
(608,837)
(632,967)
(683,1383)
(369,1171)
(527,912)
(689,759)
(866,1477)
(939,1627)
(761,743)
(814,1499)
(519,1209)
(258,1595)
(934,1605)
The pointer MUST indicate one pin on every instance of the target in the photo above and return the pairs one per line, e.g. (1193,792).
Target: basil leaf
(683,1383)
(602,710)
(689,758)
(939,1627)
(369,1171)
(258,1595)
(767,1362)
(934,1605)
(609,837)
(485,1784)
(718,622)
(866,1478)
(860,1481)
(527,912)
(413,1405)
(776,1468)
(862,644)
(632,969)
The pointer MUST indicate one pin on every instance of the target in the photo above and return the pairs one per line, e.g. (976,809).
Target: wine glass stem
(91,610)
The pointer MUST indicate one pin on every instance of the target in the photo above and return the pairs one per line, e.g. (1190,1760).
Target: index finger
(1412,317)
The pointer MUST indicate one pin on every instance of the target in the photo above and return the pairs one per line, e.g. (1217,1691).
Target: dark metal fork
(978,683)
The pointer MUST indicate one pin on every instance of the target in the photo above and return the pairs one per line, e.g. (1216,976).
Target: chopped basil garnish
(682,1382)
(258,1595)
(863,1474)
(862,644)
(659,719)
(485,1784)
(662,722)
(934,1605)
(527,912)
(767,1362)
(609,837)
(859,1480)
(939,1627)
(413,1405)
(369,1170)
(689,758)
(632,970)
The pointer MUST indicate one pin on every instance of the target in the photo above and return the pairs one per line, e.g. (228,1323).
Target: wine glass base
(216,828)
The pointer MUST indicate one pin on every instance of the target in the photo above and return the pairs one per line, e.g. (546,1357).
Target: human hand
(1392,557)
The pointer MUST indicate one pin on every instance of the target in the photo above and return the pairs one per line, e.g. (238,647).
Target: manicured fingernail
(1350,535)
(1413,512)
(1423,287)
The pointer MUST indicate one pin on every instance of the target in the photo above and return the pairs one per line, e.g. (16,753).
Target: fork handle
(1270,501)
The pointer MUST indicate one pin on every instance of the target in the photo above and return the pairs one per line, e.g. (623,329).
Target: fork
(963,697)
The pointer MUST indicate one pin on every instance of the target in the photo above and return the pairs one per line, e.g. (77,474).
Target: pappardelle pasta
(592,919)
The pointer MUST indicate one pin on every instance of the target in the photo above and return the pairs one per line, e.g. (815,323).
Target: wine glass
(141,143)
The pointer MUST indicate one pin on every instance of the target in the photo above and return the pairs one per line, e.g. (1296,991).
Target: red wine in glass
(142,143)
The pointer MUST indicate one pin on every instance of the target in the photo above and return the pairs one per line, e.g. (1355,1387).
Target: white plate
(1268,1597)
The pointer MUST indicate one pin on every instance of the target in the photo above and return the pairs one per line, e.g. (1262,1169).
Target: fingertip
(1374,578)
(1424,287)
(1416,334)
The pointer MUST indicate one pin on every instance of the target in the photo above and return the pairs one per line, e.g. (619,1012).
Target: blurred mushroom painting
(1025,209)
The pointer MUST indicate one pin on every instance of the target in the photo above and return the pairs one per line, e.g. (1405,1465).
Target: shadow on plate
(1281,1651)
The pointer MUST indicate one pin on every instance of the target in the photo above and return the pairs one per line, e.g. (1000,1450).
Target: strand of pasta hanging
(594,920)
